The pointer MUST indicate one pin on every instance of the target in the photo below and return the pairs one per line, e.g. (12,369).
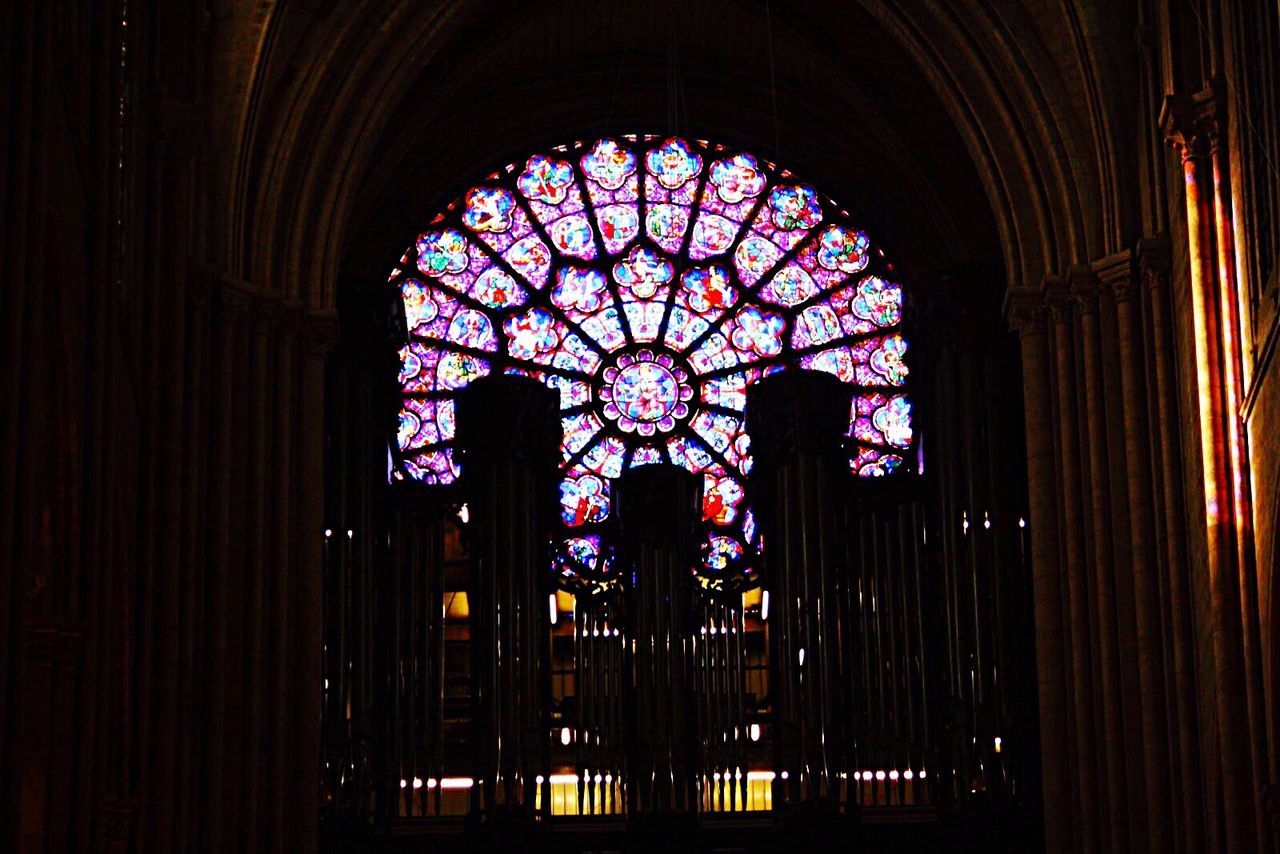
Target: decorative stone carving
(1026,311)
(1192,123)
(1116,275)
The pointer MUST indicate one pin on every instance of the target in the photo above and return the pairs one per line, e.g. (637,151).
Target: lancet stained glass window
(649,281)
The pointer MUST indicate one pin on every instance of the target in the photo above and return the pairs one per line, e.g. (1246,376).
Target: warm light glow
(457,605)
(998,744)
(464,514)
(457,783)
(565,736)
(552,605)
(565,603)
(764,605)
(755,732)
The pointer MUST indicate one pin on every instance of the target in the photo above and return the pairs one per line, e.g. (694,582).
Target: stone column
(1119,807)
(1028,315)
(1235,436)
(192,684)
(509,435)
(225,335)
(1191,126)
(797,422)
(285,381)
(1154,271)
(1078,593)
(1119,277)
(318,336)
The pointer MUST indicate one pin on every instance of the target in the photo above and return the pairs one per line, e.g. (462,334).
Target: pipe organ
(877,671)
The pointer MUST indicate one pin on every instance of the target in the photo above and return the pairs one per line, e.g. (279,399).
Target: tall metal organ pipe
(797,421)
(509,434)
(659,510)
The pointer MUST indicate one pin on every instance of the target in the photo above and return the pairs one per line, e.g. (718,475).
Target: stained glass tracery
(649,281)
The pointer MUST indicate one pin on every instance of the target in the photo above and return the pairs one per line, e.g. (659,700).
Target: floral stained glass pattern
(649,281)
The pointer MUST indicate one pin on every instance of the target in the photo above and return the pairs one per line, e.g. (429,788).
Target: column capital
(54,642)
(233,302)
(202,282)
(118,815)
(320,330)
(1115,274)
(1153,257)
(1084,289)
(1193,124)
(1057,296)
(286,314)
(1026,310)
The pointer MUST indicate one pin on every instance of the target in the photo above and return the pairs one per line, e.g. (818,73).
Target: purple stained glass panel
(649,281)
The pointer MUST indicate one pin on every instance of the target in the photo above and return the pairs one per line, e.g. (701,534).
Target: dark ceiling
(854,115)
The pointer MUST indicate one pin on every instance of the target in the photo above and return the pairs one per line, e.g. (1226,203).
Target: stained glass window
(649,281)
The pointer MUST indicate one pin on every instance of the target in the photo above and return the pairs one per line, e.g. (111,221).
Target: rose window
(649,281)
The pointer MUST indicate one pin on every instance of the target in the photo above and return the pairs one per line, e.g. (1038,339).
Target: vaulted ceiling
(960,132)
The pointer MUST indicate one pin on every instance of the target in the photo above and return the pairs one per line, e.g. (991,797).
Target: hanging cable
(617,84)
(672,117)
(773,82)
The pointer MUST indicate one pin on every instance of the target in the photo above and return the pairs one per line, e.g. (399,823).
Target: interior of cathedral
(735,426)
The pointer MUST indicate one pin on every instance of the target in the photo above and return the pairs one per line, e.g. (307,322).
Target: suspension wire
(682,100)
(673,122)
(773,83)
(617,83)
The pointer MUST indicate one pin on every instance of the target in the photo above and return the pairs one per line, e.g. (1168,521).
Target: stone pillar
(1191,126)
(1235,435)
(226,334)
(192,685)
(1078,593)
(509,435)
(659,509)
(1028,315)
(1112,705)
(1119,277)
(285,381)
(797,422)
(306,596)
(1154,271)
